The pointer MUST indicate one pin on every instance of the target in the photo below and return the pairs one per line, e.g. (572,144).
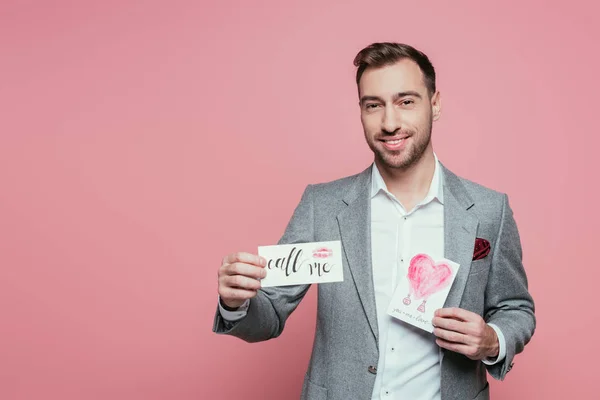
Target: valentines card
(422,290)
(294,264)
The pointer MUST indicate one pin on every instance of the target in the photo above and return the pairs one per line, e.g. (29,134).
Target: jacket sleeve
(269,310)
(508,304)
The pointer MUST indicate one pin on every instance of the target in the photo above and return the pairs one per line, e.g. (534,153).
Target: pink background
(140,142)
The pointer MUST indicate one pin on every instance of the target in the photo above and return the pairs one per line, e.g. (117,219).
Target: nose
(390,122)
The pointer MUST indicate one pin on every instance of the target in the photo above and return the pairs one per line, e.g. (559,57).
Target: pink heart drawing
(426,278)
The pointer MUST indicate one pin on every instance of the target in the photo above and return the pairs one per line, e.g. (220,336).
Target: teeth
(394,141)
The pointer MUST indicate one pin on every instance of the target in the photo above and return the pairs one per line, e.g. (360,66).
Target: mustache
(398,132)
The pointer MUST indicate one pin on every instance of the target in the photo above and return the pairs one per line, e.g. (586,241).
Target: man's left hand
(466,333)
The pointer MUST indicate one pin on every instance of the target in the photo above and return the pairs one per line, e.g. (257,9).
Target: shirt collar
(435,188)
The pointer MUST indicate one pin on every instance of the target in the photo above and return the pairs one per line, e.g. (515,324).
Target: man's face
(397,113)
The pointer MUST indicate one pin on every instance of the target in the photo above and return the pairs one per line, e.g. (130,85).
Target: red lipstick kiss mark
(322,252)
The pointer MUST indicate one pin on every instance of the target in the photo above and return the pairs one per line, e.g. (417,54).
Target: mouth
(394,143)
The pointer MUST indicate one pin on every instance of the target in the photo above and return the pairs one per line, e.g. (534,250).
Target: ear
(436,105)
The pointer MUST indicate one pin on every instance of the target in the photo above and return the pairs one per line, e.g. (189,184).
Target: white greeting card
(303,263)
(423,290)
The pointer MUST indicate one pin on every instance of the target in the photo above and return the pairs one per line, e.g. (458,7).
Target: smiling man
(407,202)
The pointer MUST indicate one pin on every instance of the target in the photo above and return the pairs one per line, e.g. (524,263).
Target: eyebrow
(394,98)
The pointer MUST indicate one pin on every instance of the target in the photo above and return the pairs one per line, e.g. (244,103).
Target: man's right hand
(239,276)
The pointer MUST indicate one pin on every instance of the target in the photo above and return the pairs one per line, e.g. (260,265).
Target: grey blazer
(494,287)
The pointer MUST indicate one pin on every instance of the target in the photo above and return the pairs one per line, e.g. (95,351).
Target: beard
(419,140)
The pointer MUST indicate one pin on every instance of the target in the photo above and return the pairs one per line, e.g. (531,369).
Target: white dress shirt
(409,358)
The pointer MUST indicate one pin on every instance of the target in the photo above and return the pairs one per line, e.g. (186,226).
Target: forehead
(405,75)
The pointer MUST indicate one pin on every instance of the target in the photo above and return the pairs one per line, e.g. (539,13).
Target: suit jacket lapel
(355,230)
(460,231)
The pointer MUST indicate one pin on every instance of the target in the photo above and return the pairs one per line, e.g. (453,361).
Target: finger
(450,336)
(251,271)
(241,282)
(245,258)
(451,324)
(456,313)
(457,348)
(228,293)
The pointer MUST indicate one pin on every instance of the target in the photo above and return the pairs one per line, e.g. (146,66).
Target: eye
(371,106)
(407,102)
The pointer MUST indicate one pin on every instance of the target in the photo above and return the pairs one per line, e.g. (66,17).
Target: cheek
(370,124)
(416,121)
(424,117)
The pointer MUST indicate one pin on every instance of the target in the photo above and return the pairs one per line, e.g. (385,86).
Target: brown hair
(382,54)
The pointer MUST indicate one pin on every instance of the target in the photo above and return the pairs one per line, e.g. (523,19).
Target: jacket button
(372,369)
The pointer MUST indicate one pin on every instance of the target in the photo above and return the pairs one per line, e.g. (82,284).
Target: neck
(410,185)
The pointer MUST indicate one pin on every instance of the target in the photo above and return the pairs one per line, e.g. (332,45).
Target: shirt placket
(402,247)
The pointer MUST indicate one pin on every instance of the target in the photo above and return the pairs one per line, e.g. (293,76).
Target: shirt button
(372,370)
(393,349)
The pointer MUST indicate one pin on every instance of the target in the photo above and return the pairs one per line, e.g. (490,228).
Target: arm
(508,304)
(267,312)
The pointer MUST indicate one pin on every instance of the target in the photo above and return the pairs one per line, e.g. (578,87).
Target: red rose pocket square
(482,249)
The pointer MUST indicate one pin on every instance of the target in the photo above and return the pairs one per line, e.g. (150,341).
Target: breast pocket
(479,266)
